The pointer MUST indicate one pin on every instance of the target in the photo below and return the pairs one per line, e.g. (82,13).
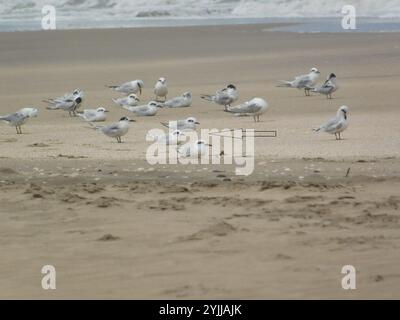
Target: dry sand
(116,227)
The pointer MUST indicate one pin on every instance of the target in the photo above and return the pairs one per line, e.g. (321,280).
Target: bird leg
(340,138)
(16,127)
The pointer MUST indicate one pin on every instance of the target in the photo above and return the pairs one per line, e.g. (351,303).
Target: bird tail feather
(284,84)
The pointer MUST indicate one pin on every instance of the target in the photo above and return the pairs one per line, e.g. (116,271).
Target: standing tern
(305,81)
(18,118)
(117,129)
(224,97)
(161,89)
(255,108)
(70,105)
(337,124)
(330,86)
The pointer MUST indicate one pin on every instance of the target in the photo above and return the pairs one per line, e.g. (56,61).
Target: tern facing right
(336,125)
(93,115)
(18,118)
(117,129)
(69,105)
(255,108)
(185,124)
(224,97)
(305,81)
(183,101)
(330,86)
(129,87)
(198,149)
(173,138)
(147,110)
(131,100)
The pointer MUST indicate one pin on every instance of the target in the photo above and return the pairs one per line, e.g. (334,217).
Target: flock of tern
(226,97)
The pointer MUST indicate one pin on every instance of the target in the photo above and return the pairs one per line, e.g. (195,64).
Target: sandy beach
(116,227)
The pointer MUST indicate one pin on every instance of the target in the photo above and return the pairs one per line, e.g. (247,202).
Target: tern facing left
(255,108)
(117,129)
(18,118)
(161,89)
(93,115)
(336,125)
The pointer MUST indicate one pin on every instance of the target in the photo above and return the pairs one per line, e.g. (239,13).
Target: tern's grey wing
(181,124)
(125,86)
(112,128)
(223,97)
(90,113)
(303,81)
(174,102)
(66,104)
(335,127)
(15,118)
(331,124)
(246,108)
(139,109)
(326,88)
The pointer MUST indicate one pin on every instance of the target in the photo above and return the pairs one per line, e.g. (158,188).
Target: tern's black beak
(131,120)
(197,122)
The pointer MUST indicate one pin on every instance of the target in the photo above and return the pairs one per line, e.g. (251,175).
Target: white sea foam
(24,14)
(200,8)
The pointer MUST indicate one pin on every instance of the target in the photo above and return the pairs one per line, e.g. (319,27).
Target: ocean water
(309,15)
